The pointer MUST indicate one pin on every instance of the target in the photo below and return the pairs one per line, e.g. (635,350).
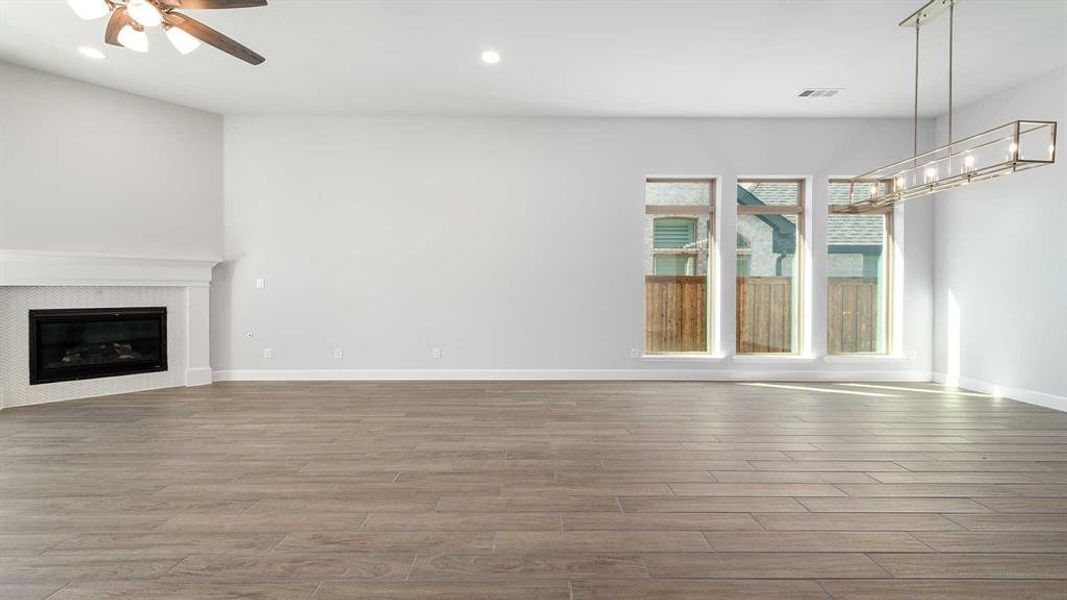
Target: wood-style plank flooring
(522,490)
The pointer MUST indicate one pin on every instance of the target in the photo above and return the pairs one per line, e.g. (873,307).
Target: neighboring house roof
(855,230)
(852,230)
(771,192)
(860,233)
(784,238)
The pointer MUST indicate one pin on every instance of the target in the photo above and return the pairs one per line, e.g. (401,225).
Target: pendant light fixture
(1009,148)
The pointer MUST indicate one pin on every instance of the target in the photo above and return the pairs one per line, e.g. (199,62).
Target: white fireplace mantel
(32,279)
(46,268)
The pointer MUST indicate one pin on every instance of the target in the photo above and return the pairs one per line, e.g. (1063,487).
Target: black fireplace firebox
(70,344)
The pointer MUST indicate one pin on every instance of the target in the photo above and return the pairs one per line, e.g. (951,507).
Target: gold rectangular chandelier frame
(1010,148)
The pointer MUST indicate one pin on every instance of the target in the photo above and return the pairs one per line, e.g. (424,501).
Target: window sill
(865,358)
(772,358)
(683,357)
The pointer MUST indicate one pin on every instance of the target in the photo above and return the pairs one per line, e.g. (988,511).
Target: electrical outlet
(436,353)
(338,353)
(268,353)
(635,353)
(260,283)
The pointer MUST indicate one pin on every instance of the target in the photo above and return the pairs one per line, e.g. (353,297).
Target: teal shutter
(673,233)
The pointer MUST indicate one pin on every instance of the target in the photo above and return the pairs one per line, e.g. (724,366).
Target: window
(770,223)
(744,256)
(674,242)
(858,269)
(674,264)
(677,264)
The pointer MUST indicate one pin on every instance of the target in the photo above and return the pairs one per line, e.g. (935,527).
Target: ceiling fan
(130,18)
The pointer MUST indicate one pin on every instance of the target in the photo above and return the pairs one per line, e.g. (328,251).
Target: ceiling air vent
(818,92)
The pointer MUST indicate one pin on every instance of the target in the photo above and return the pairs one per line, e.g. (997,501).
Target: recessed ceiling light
(91,52)
(490,57)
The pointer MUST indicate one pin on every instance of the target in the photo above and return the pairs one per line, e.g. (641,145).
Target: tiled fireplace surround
(38,280)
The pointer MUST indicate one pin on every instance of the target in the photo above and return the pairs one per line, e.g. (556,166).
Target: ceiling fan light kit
(89,9)
(129,18)
(145,13)
(182,42)
(133,38)
(1015,146)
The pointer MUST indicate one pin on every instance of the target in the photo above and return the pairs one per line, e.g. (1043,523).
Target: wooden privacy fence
(764,314)
(854,319)
(676,314)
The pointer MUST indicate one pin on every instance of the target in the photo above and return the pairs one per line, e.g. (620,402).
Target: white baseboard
(1021,394)
(566,375)
(199,376)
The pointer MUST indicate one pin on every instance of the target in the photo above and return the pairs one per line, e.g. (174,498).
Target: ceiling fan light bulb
(133,39)
(89,9)
(182,41)
(144,12)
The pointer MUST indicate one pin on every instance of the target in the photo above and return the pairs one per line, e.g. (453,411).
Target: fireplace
(71,344)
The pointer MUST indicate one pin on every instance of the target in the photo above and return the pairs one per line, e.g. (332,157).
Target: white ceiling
(561,57)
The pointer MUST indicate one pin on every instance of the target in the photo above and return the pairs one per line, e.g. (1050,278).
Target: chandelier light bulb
(133,39)
(89,9)
(182,41)
(144,12)
(930,175)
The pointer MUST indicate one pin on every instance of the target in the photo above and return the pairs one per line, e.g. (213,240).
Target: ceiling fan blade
(210,36)
(205,4)
(118,20)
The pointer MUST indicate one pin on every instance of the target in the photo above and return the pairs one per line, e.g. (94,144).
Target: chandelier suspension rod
(951,26)
(915,108)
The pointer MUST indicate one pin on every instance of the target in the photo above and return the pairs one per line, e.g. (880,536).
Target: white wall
(514,245)
(1001,252)
(89,169)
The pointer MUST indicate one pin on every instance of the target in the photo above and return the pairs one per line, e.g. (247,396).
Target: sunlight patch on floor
(820,389)
(946,391)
